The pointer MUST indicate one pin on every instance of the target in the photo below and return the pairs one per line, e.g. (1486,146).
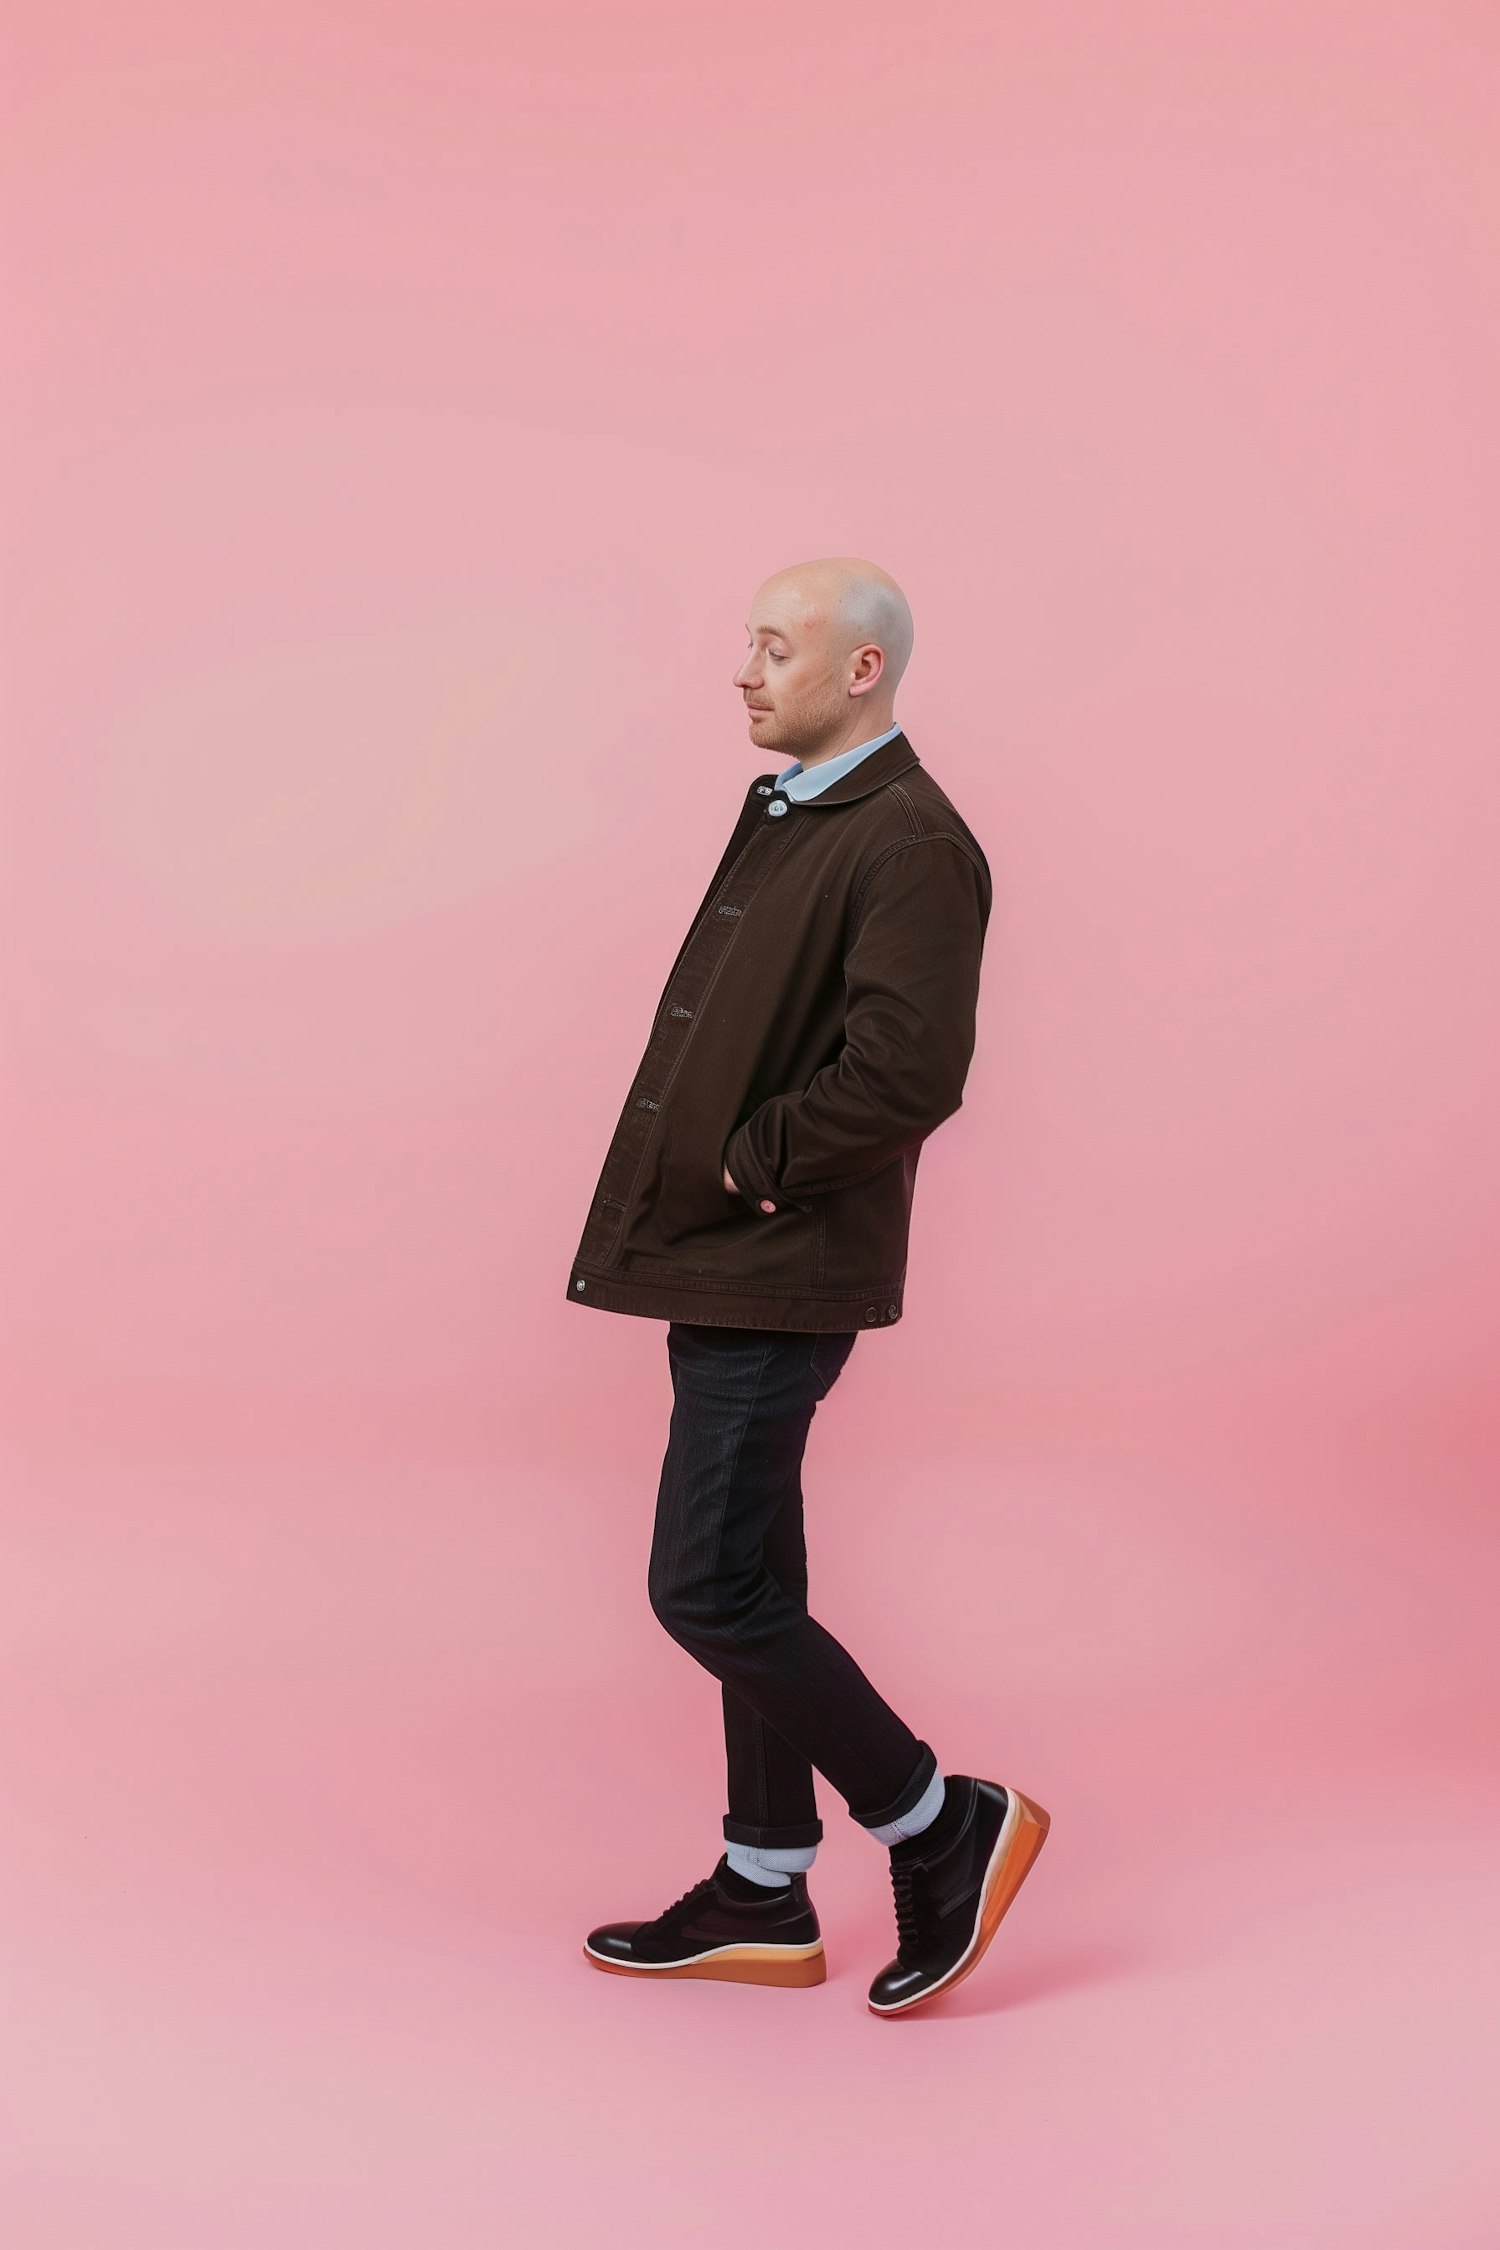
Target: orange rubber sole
(785,1965)
(1008,1871)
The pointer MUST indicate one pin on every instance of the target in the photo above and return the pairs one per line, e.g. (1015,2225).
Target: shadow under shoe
(950,1896)
(726,1927)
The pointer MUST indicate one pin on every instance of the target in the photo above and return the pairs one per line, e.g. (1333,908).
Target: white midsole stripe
(740,1952)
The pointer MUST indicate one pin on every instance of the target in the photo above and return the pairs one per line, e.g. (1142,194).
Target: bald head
(852,603)
(829,641)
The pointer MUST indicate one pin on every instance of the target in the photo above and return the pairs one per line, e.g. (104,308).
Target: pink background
(403,405)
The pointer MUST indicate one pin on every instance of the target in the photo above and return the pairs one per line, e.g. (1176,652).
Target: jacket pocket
(685,1220)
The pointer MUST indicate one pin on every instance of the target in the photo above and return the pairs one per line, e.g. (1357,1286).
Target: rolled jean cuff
(910,1797)
(796,1835)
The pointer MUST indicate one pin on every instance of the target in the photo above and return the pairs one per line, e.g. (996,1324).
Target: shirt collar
(799,781)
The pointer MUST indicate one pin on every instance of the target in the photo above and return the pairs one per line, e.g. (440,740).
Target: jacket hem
(712,1305)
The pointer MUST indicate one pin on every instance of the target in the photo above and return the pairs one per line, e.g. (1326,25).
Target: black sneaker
(726,1927)
(952,1885)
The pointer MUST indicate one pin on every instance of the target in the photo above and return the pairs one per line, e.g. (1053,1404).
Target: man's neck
(865,732)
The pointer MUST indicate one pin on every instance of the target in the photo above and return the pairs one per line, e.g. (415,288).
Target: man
(817,1025)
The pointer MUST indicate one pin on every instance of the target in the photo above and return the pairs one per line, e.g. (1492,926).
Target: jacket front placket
(698,964)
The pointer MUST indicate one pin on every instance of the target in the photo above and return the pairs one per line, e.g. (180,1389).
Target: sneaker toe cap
(896,1984)
(612,1939)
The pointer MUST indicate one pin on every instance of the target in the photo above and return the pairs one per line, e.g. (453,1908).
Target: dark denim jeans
(728,1580)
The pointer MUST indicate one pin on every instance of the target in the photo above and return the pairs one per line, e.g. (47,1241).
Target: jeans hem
(795,1835)
(908,1798)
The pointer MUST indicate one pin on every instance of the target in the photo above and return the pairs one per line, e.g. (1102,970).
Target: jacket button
(765,1205)
(580,1285)
(776,807)
(892,1312)
(871,1313)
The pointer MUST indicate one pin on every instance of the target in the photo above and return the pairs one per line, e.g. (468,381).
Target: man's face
(792,679)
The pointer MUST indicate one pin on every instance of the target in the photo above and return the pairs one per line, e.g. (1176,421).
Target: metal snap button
(892,1312)
(871,1313)
(776,807)
(579,1285)
(763,789)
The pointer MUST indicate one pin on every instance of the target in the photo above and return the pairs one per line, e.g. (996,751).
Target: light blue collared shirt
(797,780)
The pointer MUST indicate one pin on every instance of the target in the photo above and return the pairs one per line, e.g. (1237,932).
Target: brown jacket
(816,1026)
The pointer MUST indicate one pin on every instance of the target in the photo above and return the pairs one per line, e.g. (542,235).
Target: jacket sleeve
(912,977)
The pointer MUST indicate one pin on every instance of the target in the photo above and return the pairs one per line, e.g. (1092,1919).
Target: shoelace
(689,1899)
(903,1883)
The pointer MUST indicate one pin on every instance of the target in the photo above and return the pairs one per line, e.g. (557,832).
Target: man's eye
(778,654)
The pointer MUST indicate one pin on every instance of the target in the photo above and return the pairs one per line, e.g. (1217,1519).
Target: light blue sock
(922,1815)
(771,1864)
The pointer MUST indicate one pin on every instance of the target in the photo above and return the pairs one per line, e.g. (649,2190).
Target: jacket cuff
(753,1178)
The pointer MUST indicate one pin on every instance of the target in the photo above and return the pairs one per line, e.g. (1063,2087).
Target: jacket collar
(882,765)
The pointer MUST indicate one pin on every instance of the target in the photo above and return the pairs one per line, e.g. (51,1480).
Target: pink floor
(283,1972)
